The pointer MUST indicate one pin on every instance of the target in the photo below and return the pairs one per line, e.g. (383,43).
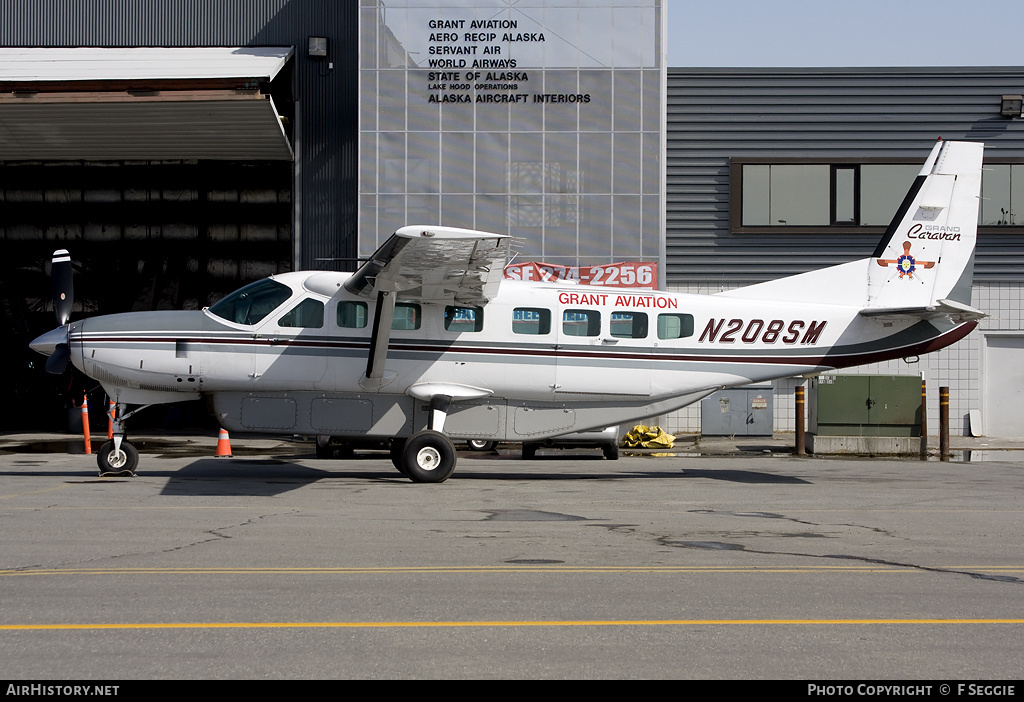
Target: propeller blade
(63,292)
(57,363)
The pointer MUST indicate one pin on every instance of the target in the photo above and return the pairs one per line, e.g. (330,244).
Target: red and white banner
(628,274)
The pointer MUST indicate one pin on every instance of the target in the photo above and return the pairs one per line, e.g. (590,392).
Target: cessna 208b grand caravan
(426,342)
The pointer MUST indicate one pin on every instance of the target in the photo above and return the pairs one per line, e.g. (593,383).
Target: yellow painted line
(500,623)
(412,570)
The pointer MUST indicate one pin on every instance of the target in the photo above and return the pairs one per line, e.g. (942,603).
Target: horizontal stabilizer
(956,312)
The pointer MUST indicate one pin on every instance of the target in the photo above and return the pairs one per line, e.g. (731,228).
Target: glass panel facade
(540,119)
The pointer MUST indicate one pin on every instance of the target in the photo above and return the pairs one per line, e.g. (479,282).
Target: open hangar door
(167,176)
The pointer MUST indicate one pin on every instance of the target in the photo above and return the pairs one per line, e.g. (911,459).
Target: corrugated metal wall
(715,115)
(328,127)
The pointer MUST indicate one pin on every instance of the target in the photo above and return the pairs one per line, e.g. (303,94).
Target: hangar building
(182,148)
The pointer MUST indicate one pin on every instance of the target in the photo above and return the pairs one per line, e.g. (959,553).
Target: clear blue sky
(828,33)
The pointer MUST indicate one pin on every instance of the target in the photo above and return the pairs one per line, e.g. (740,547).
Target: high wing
(427,264)
(435,264)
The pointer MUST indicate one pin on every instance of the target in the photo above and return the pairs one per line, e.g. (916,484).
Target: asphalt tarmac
(274,565)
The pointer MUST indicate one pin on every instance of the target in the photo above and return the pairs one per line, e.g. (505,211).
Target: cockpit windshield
(252,303)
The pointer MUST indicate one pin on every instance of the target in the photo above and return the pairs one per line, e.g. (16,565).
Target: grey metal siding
(715,115)
(328,128)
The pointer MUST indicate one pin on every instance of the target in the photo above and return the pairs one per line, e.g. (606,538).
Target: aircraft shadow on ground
(265,477)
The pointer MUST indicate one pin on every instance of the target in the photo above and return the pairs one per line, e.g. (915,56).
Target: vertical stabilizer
(927,253)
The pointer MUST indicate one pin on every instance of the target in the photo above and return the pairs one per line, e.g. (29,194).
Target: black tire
(123,463)
(428,457)
(397,447)
(529,452)
(481,445)
(611,451)
(324,449)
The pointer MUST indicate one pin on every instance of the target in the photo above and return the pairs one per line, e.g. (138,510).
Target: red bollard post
(85,424)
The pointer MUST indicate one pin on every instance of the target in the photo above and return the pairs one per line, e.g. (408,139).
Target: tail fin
(927,253)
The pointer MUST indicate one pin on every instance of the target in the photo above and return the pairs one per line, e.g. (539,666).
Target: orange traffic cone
(223,444)
(85,425)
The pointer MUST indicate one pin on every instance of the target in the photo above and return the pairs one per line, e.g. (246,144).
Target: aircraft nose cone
(47,343)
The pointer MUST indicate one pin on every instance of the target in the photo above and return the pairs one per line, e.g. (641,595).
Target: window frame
(594,322)
(478,319)
(294,309)
(417,316)
(358,304)
(543,323)
(736,165)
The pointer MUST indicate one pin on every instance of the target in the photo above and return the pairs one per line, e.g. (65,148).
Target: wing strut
(385,313)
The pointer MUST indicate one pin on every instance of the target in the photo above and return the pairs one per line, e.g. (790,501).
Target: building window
(778,196)
(785,195)
(806,197)
(1002,195)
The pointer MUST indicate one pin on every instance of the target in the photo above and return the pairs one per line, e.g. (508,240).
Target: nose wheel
(117,460)
(117,456)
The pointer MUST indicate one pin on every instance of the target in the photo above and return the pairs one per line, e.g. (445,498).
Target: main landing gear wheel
(397,447)
(611,451)
(481,445)
(324,449)
(428,457)
(123,462)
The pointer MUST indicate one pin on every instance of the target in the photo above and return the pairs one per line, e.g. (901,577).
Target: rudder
(927,253)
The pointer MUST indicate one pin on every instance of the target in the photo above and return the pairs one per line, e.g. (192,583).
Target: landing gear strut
(427,456)
(117,456)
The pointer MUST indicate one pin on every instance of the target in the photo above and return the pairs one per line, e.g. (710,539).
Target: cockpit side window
(308,314)
(249,305)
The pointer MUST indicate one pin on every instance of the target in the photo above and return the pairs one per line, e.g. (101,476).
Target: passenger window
(581,323)
(407,316)
(308,314)
(531,320)
(463,319)
(675,326)
(629,325)
(351,315)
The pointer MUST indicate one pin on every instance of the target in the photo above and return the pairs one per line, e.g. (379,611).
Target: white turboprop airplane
(426,341)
